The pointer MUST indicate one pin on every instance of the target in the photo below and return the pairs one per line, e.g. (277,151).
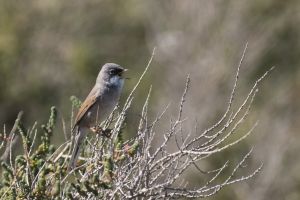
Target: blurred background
(52,49)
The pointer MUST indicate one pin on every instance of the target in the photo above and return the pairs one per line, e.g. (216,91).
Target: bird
(99,103)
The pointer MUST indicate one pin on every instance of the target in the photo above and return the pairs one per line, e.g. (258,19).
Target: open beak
(125,70)
(121,72)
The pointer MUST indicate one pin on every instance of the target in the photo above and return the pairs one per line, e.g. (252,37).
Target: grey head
(111,74)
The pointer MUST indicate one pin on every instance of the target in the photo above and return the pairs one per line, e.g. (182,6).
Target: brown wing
(88,102)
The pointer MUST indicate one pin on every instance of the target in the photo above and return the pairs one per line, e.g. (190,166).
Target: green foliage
(75,101)
(39,173)
(26,177)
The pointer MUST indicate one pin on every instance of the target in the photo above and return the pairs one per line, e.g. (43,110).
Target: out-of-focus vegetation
(113,168)
(50,50)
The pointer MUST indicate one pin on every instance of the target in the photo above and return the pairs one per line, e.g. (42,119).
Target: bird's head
(111,74)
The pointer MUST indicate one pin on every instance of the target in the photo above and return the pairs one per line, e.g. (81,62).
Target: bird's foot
(101,131)
(107,132)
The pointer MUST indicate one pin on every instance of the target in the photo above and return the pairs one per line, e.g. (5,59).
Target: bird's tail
(80,135)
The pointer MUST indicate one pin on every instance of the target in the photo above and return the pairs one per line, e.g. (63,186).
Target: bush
(112,168)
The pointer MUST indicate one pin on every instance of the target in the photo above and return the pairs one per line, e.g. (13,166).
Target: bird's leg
(93,129)
(98,130)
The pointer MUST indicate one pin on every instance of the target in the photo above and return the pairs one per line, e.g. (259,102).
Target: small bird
(98,105)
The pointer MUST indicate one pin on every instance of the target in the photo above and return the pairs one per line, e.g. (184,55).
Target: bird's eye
(112,72)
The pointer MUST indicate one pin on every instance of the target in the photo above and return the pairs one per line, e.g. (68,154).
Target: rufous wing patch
(88,103)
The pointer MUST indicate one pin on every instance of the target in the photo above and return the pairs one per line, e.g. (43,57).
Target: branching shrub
(112,168)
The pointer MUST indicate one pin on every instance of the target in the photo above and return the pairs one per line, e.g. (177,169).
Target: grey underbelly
(102,108)
(99,112)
